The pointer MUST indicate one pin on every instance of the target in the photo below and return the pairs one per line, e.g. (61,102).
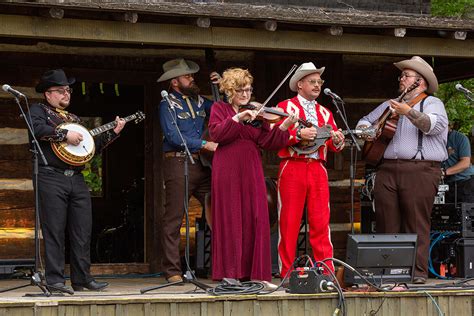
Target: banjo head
(75,155)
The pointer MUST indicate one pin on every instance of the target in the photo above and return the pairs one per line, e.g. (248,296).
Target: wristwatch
(203,143)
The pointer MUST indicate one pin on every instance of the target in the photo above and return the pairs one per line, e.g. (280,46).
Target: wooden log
(16,184)
(17,218)
(22,247)
(30,92)
(16,168)
(13,136)
(15,152)
(16,199)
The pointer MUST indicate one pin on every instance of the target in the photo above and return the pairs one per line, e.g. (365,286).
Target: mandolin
(323,133)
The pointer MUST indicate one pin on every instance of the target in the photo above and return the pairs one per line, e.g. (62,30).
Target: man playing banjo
(64,198)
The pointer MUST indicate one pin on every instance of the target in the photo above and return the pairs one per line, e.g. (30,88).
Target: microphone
(9,89)
(165,95)
(328,92)
(459,87)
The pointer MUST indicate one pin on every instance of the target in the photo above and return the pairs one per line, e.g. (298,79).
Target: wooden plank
(13,136)
(305,12)
(10,114)
(30,92)
(226,37)
(17,218)
(15,152)
(16,184)
(17,248)
(16,168)
(16,199)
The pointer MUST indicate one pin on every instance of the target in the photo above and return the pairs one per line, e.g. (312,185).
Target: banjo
(81,154)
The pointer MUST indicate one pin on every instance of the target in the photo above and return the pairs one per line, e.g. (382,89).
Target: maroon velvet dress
(240,219)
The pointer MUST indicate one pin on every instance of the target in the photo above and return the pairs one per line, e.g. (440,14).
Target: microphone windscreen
(164,94)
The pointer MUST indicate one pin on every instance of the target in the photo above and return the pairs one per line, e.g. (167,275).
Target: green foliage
(460,110)
(93,175)
(454,8)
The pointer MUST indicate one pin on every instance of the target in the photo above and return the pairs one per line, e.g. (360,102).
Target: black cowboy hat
(52,78)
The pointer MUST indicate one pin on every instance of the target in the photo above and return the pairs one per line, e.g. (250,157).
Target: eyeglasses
(241,91)
(313,82)
(61,90)
(188,76)
(404,75)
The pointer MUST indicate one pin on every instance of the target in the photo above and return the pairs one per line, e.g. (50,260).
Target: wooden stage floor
(123,297)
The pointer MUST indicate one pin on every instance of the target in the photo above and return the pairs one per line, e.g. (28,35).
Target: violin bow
(276,89)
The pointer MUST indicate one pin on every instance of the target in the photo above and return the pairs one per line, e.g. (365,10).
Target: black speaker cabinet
(382,257)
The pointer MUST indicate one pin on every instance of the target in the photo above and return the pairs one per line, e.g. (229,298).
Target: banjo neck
(104,128)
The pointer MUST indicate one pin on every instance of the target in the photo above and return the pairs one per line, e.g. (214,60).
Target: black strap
(419,149)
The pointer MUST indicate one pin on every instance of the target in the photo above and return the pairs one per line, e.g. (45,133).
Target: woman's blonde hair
(233,79)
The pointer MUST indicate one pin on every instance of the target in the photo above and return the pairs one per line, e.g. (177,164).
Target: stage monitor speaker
(465,258)
(381,257)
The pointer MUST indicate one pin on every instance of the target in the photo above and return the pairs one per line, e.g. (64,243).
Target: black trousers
(199,185)
(65,204)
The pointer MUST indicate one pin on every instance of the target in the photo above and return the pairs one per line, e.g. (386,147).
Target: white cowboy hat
(419,65)
(302,71)
(178,67)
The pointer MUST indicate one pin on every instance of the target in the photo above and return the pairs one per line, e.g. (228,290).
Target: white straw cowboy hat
(178,67)
(419,65)
(302,71)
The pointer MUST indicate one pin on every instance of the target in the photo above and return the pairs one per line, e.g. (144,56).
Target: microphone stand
(37,277)
(468,96)
(353,143)
(188,276)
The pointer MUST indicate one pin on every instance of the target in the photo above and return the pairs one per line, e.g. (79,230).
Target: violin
(269,114)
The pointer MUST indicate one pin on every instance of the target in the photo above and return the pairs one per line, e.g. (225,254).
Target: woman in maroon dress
(241,228)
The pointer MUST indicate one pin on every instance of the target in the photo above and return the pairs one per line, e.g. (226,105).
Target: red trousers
(300,182)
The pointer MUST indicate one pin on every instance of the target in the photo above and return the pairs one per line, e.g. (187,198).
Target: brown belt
(416,161)
(180,154)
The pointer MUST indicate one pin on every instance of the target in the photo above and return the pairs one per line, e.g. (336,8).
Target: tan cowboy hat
(178,67)
(419,65)
(302,71)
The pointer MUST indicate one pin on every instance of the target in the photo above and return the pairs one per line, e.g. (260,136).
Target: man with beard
(65,202)
(190,110)
(408,176)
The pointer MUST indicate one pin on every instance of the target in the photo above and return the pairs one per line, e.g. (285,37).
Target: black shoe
(59,288)
(92,286)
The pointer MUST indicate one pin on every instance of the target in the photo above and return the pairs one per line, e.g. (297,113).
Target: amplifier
(452,217)
(446,217)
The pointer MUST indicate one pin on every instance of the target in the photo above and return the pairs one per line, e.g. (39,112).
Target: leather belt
(66,172)
(180,154)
